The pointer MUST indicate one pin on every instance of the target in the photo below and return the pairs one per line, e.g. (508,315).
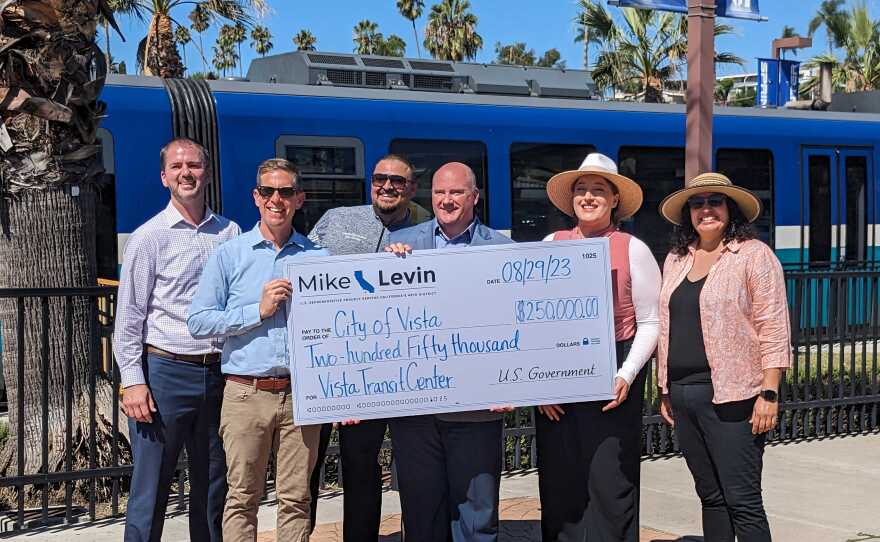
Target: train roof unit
(410,74)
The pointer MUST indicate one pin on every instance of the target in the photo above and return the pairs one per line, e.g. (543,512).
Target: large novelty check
(378,336)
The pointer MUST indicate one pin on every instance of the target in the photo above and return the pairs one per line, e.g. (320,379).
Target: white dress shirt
(161,269)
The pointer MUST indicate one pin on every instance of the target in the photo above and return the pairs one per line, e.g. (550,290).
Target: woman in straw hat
(588,453)
(724,342)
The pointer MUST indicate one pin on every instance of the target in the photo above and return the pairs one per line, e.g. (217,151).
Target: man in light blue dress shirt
(242,297)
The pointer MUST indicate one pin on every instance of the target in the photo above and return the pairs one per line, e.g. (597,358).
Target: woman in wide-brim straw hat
(588,453)
(724,343)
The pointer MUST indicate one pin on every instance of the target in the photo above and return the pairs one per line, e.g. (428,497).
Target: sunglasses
(285,191)
(698,202)
(398,182)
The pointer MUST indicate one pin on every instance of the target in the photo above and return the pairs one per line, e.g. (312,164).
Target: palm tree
(48,192)
(225,55)
(642,53)
(392,46)
(451,33)
(583,30)
(723,89)
(159,51)
(304,41)
(238,34)
(834,21)
(515,54)
(261,40)
(860,68)
(200,19)
(106,22)
(182,36)
(551,59)
(366,37)
(789,32)
(412,10)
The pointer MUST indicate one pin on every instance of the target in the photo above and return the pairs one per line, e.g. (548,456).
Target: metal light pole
(700,88)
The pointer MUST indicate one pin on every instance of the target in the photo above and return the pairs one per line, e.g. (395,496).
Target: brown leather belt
(263,383)
(201,359)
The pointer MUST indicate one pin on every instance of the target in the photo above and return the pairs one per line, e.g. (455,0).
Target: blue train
(814,170)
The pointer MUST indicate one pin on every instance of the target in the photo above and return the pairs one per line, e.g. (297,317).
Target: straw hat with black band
(748,203)
(559,187)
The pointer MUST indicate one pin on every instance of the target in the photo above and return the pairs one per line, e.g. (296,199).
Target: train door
(837,188)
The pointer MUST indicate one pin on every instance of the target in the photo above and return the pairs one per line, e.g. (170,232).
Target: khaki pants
(252,424)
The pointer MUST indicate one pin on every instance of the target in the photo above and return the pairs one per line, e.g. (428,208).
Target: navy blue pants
(188,398)
(449,477)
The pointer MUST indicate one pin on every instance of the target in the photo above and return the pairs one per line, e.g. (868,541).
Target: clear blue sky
(542,24)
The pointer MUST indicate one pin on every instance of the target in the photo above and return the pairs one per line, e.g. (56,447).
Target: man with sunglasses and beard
(362,230)
(242,298)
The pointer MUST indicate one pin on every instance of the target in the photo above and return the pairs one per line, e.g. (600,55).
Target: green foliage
(369,41)
(642,51)
(517,54)
(834,21)
(859,69)
(451,33)
(4,432)
(304,41)
(203,75)
(261,40)
(412,10)
(225,55)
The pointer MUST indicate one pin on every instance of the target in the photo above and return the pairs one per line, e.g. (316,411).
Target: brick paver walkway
(519,523)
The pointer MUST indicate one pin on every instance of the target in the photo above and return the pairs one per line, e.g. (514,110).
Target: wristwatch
(769,395)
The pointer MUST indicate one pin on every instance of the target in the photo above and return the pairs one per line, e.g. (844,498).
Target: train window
(107,249)
(427,155)
(856,208)
(531,166)
(659,171)
(820,207)
(332,170)
(752,169)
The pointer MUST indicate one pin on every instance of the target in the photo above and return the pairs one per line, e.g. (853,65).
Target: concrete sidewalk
(818,491)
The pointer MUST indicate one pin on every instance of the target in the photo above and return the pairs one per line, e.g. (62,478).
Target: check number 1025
(557,310)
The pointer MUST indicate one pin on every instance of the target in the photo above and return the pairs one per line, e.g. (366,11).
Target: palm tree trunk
(416,34)
(47,225)
(240,61)
(586,47)
(161,56)
(202,54)
(107,38)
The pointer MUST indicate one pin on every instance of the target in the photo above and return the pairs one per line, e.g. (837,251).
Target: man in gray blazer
(361,230)
(449,465)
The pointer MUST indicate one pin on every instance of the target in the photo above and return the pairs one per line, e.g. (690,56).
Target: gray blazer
(350,230)
(421,237)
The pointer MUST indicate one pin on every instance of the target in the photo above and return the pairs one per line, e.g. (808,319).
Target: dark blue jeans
(449,476)
(188,398)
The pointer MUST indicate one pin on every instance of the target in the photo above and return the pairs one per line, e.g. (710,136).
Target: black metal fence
(832,389)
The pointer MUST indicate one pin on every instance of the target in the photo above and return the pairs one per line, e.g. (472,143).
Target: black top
(687,352)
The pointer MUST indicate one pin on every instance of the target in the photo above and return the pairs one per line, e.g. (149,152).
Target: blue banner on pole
(778,82)
(768,83)
(736,9)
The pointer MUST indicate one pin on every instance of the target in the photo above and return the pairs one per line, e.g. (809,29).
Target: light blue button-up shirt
(464,238)
(227,302)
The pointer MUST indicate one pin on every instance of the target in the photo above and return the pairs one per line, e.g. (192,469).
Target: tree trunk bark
(161,56)
(47,229)
(49,242)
